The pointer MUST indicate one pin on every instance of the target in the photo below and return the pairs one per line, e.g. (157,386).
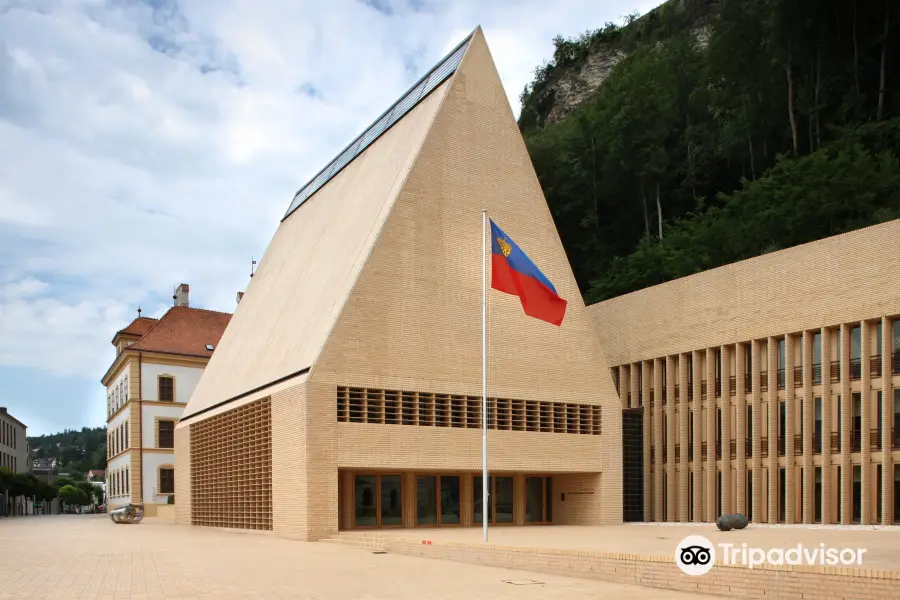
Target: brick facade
(823,358)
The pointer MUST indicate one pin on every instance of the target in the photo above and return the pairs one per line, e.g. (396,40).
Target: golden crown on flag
(505,248)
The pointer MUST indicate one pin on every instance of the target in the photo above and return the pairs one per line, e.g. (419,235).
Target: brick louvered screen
(391,407)
(231,468)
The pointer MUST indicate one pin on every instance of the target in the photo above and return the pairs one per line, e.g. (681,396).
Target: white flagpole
(485,498)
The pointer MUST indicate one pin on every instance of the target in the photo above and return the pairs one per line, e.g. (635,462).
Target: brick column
(826,426)
(865,343)
(684,410)
(725,354)
(710,435)
(657,402)
(756,442)
(789,428)
(740,421)
(772,377)
(846,408)
(645,402)
(671,440)
(633,385)
(887,421)
(809,416)
(624,385)
(697,515)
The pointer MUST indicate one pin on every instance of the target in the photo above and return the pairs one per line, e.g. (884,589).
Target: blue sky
(148,143)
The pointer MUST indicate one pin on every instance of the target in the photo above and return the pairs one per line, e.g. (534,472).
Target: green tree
(89,490)
(714,96)
(76,451)
(45,492)
(6,478)
(73,496)
(22,485)
(842,186)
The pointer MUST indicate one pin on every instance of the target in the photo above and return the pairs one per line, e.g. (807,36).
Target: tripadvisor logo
(696,555)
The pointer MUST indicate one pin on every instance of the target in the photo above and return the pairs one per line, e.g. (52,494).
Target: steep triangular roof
(317,253)
(376,279)
(413,317)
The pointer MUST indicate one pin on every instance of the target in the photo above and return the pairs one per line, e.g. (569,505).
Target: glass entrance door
(378,500)
(538,500)
(504,496)
(391,501)
(501,491)
(437,500)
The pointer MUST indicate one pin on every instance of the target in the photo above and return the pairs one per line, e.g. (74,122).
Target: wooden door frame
(437,477)
(402,497)
(377,475)
(493,496)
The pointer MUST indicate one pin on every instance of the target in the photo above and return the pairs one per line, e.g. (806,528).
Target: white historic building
(158,363)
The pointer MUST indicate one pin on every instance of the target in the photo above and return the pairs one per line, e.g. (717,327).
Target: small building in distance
(14,453)
(13,443)
(158,362)
(97,478)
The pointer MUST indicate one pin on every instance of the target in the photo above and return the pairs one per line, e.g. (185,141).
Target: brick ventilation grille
(365,405)
(231,468)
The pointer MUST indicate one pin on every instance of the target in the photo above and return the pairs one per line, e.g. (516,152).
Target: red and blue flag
(514,273)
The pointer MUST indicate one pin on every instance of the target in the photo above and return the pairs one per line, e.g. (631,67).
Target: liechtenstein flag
(514,273)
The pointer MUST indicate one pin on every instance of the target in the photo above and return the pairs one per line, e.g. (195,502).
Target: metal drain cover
(379,552)
(523,582)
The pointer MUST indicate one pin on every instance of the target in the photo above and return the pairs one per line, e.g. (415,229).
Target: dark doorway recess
(633,464)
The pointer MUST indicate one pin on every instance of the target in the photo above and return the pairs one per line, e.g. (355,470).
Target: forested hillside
(75,451)
(722,129)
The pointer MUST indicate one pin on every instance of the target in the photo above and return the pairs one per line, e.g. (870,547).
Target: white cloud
(148,143)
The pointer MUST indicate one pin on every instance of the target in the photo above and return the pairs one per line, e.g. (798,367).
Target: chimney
(238,297)
(181,295)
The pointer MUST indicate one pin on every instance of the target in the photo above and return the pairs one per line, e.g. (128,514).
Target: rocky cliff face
(580,66)
(576,86)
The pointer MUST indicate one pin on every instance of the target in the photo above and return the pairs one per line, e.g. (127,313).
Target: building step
(364,542)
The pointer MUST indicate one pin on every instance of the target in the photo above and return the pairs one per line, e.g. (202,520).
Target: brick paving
(87,556)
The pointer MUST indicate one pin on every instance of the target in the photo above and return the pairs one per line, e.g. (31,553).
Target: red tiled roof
(185,330)
(139,326)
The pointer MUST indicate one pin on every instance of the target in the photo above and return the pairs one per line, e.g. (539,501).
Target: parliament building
(346,390)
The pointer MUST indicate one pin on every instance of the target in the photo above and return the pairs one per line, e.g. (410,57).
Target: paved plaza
(87,556)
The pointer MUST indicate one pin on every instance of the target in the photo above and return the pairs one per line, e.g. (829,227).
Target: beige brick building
(346,391)
(769,387)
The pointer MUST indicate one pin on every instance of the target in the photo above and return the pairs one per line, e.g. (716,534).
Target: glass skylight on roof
(418,92)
